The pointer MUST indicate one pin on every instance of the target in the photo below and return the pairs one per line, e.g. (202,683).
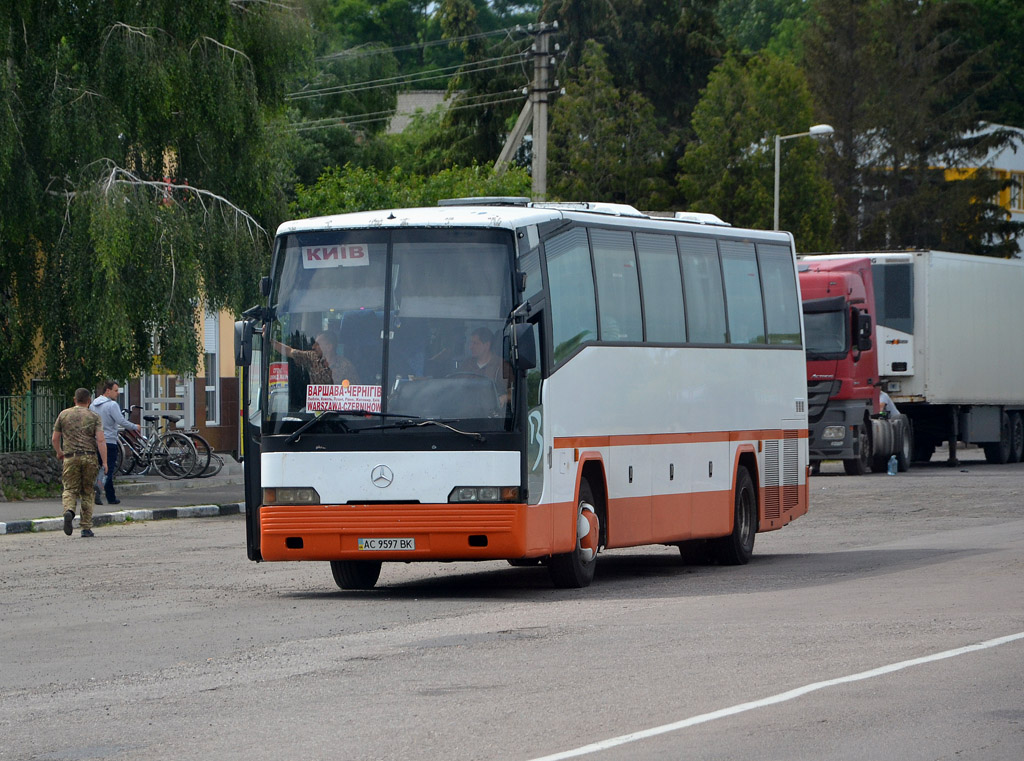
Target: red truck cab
(842,360)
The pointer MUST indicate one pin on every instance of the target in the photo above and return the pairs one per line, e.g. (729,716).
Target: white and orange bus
(535,382)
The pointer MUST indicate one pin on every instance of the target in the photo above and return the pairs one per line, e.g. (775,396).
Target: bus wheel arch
(575,569)
(737,547)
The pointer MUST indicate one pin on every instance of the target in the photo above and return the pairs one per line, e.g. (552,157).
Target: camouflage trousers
(78,477)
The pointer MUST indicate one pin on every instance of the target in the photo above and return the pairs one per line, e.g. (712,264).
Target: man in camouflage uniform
(82,433)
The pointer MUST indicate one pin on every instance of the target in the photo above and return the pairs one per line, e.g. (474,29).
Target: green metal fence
(26,422)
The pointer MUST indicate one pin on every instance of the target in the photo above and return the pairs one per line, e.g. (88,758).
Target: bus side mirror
(863,331)
(243,343)
(526,346)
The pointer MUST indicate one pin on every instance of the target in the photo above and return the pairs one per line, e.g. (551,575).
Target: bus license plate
(407,543)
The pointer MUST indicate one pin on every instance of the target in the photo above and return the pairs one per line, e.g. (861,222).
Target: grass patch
(25,489)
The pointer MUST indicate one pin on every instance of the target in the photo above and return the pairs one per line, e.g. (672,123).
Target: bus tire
(737,547)
(575,569)
(356,574)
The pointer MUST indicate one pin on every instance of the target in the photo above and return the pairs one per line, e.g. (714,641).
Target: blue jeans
(108,483)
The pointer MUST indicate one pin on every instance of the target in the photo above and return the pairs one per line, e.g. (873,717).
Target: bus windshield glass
(401,324)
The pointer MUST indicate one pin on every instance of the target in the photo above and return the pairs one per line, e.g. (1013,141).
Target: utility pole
(535,111)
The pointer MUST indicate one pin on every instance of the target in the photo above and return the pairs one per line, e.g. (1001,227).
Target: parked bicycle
(169,453)
(208,462)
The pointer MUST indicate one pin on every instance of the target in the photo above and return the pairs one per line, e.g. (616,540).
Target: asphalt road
(844,638)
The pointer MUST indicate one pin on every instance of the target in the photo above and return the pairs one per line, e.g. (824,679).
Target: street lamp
(818,130)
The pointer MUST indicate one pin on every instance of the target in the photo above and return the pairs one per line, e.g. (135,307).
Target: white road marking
(782,697)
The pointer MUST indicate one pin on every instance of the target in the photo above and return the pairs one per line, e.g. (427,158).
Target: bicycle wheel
(216,463)
(125,459)
(203,453)
(174,456)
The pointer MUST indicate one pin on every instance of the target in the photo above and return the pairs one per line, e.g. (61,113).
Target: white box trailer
(950,350)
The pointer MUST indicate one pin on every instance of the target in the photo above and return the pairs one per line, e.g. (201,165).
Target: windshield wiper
(414,422)
(294,436)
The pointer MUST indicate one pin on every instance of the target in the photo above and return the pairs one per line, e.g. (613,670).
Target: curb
(124,516)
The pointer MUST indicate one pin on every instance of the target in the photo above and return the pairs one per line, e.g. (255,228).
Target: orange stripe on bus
(626,440)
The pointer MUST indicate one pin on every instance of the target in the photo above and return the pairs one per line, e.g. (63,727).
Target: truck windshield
(398,323)
(827,334)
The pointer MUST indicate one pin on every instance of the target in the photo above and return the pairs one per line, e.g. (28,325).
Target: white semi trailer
(951,350)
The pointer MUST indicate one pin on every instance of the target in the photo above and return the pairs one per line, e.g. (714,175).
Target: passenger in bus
(325,365)
(483,361)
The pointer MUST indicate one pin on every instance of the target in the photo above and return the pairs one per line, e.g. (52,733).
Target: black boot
(98,496)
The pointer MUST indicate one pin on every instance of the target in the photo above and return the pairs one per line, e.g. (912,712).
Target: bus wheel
(737,548)
(355,574)
(575,569)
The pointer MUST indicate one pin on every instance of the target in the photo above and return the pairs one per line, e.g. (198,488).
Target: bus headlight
(291,495)
(834,432)
(484,494)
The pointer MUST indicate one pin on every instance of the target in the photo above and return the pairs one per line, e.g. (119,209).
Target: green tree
(485,94)
(729,169)
(754,25)
(996,29)
(153,164)
(902,86)
(662,50)
(351,188)
(604,143)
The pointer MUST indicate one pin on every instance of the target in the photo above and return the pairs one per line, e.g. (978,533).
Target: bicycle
(171,454)
(208,462)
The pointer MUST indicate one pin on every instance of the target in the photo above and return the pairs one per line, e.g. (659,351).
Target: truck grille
(818,394)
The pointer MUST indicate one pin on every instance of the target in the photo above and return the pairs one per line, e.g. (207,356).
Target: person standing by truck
(77,436)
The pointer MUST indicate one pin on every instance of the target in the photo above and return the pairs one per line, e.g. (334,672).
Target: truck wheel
(575,569)
(998,452)
(905,446)
(858,466)
(1016,437)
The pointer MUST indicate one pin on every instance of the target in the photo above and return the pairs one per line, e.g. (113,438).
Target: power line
(404,79)
(364,119)
(389,113)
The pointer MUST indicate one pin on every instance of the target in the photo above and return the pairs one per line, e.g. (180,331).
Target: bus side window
(702,286)
(617,286)
(742,292)
(781,305)
(572,306)
(663,288)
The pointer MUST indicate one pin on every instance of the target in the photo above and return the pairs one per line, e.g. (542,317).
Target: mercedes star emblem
(382,476)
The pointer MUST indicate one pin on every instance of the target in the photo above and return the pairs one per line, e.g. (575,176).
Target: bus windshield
(399,324)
